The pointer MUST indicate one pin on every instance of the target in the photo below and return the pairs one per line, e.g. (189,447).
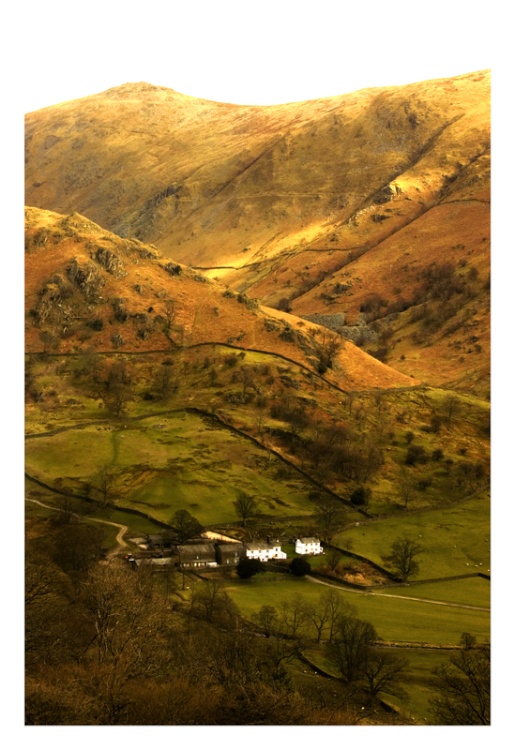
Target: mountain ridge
(286,203)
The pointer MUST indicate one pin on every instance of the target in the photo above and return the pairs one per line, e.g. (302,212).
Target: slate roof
(192,550)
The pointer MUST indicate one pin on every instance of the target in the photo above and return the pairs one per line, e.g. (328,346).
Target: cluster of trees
(300,618)
(114,380)
(104,647)
(109,645)
(352,646)
(333,449)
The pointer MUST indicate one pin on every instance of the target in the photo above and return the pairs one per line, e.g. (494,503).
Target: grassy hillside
(87,288)
(346,206)
(189,393)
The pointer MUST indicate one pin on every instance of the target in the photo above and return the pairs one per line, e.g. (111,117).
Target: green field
(396,619)
(169,462)
(454,541)
(473,591)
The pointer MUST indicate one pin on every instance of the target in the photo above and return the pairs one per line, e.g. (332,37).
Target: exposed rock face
(86,277)
(335,321)
(109,261)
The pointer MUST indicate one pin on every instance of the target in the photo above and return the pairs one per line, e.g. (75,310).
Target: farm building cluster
(211,553)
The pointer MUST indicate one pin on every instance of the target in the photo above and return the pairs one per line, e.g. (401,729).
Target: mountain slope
(313,207)
(86,287)
(120,338)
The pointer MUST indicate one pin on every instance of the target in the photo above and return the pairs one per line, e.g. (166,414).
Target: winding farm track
(350,590)
(121,544)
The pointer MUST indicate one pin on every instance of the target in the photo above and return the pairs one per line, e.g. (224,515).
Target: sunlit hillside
(349,205)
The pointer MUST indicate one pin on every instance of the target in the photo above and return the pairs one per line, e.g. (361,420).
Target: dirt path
(349,590)
(121,544)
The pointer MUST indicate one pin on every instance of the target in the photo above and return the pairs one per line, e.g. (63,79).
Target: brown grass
(287,201)
(204,312)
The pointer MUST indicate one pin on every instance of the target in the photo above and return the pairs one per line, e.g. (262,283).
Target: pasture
(454,540)
(163,463)
(396,618)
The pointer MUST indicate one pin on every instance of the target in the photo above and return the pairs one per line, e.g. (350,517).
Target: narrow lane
(349,590)
(121,544)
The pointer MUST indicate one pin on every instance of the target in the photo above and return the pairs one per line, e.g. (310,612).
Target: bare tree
(116,400)
(245,506)
(116,391)
(463,688)
(327,345)
(293,615)
(333,557)
(351,649)
(105,485)
(329,514)
(89,365)
(164,382)
(266,618)
(247,376)
(212,602)
(319,615)
(185,525)
(383,672)
(336,606)
(50,341)
(450,406)
(169,315)
(402,557)
(407,492)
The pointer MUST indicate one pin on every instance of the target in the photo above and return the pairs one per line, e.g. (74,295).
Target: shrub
(300,567)
(416,454)
(247,568)
(360,496)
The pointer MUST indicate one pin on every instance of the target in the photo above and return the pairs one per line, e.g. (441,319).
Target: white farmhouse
(308,545)
(264,551)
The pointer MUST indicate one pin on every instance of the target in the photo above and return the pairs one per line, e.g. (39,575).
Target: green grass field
(396,619)
(455,540)
(474,591)
(136,525)
(169,462)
